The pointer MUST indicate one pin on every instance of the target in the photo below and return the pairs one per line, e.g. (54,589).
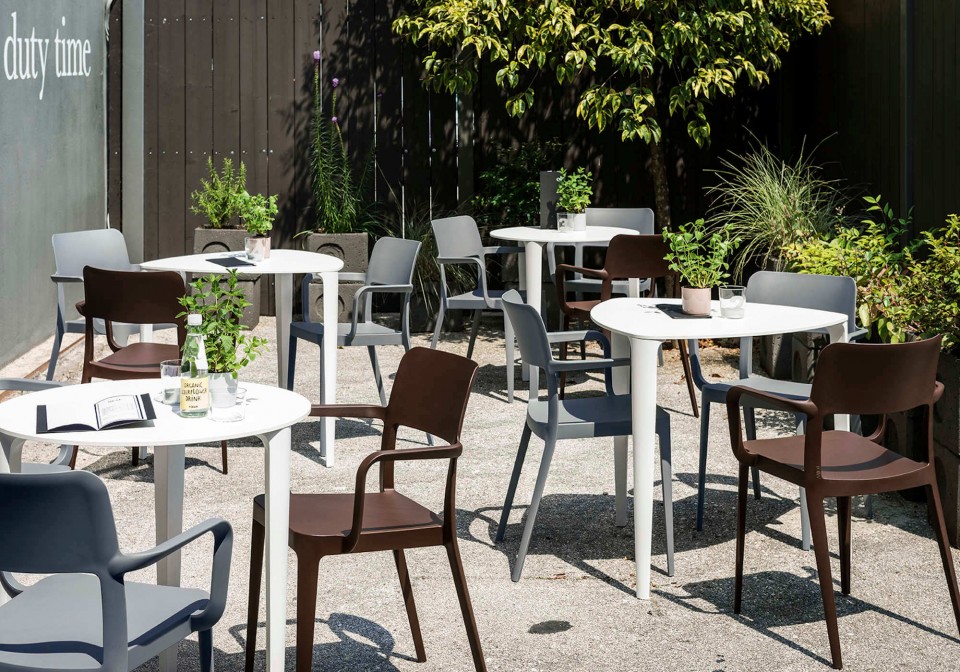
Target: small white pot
(257,247)
(571,221)
(223,390)
(695,300)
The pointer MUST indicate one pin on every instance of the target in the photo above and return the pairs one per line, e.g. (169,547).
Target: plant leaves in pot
(220,303)
(257,214)
(574,190)
(702,257)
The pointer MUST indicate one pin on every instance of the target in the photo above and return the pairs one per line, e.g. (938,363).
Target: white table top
(268,409)
(533,234)
(640,318)
(280,261)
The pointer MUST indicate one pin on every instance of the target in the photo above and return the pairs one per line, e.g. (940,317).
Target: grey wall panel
(52,151)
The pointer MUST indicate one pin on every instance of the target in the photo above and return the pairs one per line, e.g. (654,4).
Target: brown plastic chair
(854,379)
(640,256)
(132,297)
(430,394)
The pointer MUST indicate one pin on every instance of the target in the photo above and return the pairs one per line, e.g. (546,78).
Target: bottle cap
(194,319)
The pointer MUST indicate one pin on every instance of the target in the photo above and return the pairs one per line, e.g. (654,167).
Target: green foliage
(220,302)
(258,213)
(220,198)
(339,198)
(509,193)
(622,51)
(699,254)
(574,190)
(772,205)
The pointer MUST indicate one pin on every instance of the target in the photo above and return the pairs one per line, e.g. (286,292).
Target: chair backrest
(393,261)
(833,293)
(430,393)
(457,237)
(638,219)
(528,326)
(134,297)
(876,379)
(637,257)
(56,523)
(101,248)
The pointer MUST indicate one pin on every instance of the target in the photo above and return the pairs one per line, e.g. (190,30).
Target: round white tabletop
(640,318)
(268,409)
(280,261)
(533,234)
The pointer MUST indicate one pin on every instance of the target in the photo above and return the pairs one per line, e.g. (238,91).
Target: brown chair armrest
(734,395)
(592,272)
(348,411)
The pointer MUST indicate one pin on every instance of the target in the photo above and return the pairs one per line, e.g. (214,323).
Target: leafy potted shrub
(574,191)
(219,300)
(257,215)
(701,256)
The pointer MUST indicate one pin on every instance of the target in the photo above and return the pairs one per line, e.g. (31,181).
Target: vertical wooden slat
(389,111)
(151,139)
(171,121)
(416,137)
(115,117)
(253,85)
(306,41)
(443,152)
(227,76)
(198,105)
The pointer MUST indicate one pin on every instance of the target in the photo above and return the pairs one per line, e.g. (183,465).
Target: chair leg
(291,361)
(474,329)
(135,458)
(438,326)
(205,639)
(223,457)
(620,478)
(666,480)
(514,479)
(741,537)
(460,580)
(946,556)
(372,351)
(804,521)
(509,340)
(818,528)
(55,352)
(843,522)
(563,353)
(308,567)
(691,388)
(750,429)
(73,458)
(407,589)
(702,477)
(548,449)
(253,600)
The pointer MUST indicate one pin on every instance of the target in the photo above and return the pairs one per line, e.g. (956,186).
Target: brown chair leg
(308,567)
(933,499)
(135,458)
(460,580)
(73,458)
(741,537)
(407,589)
(223,455)
(843,520)
(253,601)
(691,388)
(818,529)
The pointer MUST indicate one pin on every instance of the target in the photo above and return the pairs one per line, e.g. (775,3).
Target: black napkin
(675,312)
(230,262)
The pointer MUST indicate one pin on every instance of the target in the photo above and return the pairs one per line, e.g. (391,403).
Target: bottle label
(194,394)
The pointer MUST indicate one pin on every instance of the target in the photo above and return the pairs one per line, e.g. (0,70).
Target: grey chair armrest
(481,272)
(566,366)
(503,249)
(66,278)
(372,289)
(856,335)
(10,585)
(580,335)
(28,385)
(352,277)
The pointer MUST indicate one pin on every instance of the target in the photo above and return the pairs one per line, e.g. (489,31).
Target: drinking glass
(170,381)
(233,413)
(732,301)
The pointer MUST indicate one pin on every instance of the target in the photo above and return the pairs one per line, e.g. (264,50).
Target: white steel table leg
(146,336)
(168,494)
(283,293)
(643,400)
(533,267)
(522,274)
(328,364)
(277,504)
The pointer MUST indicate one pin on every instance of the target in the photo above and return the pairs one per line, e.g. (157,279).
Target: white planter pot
(223,390)
(695,300)
(571,221)
(257,247)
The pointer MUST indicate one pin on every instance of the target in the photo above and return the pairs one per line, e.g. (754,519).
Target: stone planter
(209,241)
(353,248)
(223,390)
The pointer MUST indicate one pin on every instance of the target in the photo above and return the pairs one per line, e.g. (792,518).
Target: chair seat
(845,457)
(390,520)
(717,391)
(57,624)
(588,418)
(368,333)
(141,356)
(474,300)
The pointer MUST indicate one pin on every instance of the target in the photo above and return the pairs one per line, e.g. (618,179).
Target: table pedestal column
(168,495)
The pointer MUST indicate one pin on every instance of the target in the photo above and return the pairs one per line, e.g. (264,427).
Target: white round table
(284,264)
(270,412)
(638,328)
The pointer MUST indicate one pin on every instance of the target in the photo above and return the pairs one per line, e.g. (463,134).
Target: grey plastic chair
(836,294)
(68,454)
(458,242)
(62,524)
(100,248)
(554,419)
(390,272)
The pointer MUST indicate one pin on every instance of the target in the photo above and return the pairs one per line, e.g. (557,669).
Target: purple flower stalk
(335,82)
(316,56)
(333,119)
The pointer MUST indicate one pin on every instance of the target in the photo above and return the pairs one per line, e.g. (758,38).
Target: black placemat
(675,311)
(230,262)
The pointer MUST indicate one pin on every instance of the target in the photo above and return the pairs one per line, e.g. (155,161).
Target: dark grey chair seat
(717,392)
(589,418)
(57,624)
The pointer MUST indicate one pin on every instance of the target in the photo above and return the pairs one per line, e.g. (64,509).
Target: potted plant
(574,191)
(257,215)
(219,300)
(701,256)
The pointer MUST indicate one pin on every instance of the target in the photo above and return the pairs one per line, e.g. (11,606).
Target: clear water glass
(234,413)
(733,300)
(170,381)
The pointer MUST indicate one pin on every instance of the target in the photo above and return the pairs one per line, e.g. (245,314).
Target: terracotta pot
(695,300)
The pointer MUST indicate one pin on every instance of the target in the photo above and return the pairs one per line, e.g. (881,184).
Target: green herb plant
(220,198)
(219,301)
(574,190)
(258,213)
(700,255)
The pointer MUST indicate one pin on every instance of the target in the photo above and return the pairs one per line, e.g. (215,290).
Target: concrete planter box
(353,248)
(208,241)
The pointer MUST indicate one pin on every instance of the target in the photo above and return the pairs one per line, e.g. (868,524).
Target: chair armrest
(28,385)
(10,585)
(352,277)
(66,278)
(856,335)
(568,365)
(734,394)
(592,272)
(578,335)
(503,249)
(348,411)
(360,295)
(481,273)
